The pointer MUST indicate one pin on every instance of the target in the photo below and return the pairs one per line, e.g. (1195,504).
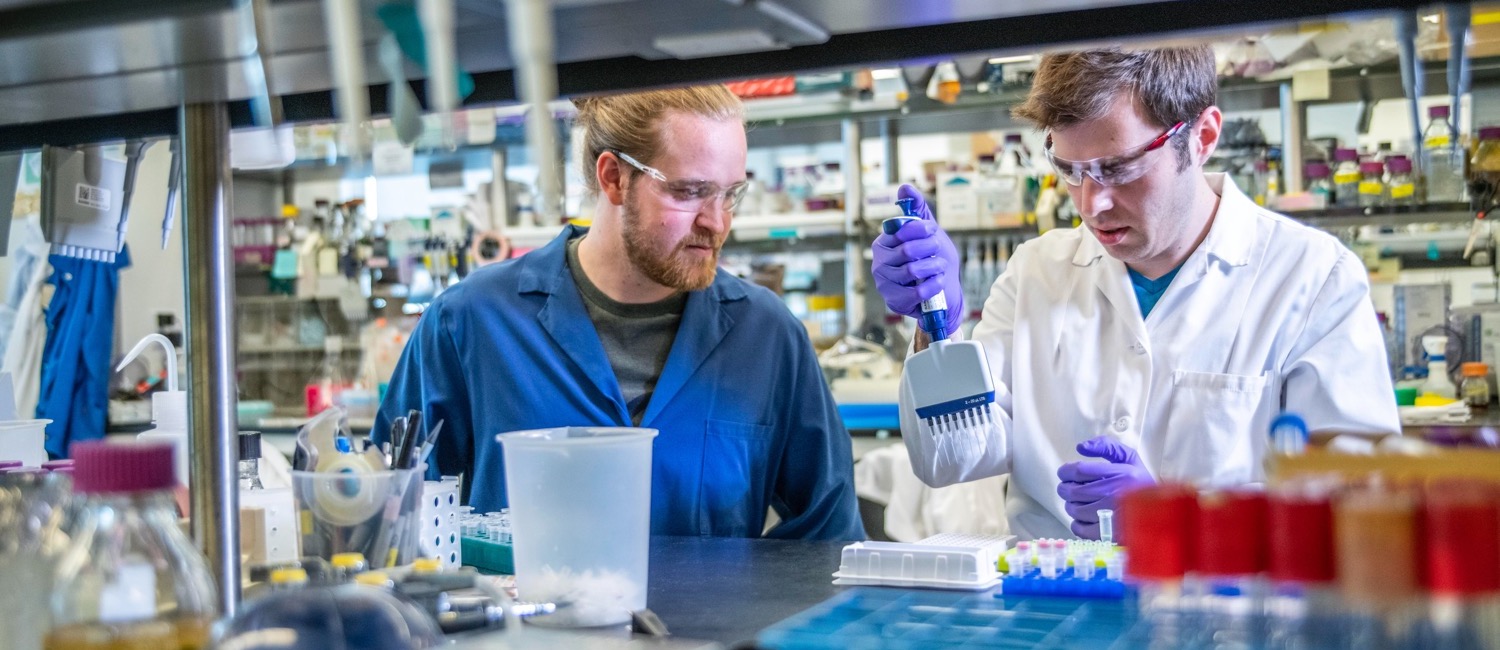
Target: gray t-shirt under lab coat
(636,337)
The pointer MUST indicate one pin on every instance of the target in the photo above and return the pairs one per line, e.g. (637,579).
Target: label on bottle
(1375,188)
(1346,178)
(1403,190)
(1437,141)
(130,595)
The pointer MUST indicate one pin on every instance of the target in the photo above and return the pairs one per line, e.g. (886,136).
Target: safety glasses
(1112,170)
(690,195)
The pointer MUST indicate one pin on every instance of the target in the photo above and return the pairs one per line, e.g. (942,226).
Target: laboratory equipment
(1288,434)
(168,407)
(952,561)
(1375,551)
(1419,307)
(1401,184)
(951,380)
(1160,524)
(345,617)
(580,500)
(345,567)
(349,506)
(1371,184)
(130,577)
(1107,526)
(33,534)
(1319,182)
(1444,163)
(440,532)
(1461,542)
(1303,600)
(24,441)
(249,461)
(1068,567)
(1227,592)
(1346,177)
(1475,387)
(890,619)
(1438,383)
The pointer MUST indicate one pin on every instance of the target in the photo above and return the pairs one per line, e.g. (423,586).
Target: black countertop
(728,589)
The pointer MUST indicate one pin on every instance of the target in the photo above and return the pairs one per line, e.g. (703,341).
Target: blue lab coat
(745,418)
(76,357)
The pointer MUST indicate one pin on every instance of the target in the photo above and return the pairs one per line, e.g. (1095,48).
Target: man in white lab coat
(1158,340)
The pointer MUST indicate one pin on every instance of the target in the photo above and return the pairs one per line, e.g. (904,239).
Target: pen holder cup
(372,513)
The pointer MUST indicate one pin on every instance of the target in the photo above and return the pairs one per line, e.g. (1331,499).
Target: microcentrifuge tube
(1114,566)
(1107,526)
(1049,560)
(1083,566)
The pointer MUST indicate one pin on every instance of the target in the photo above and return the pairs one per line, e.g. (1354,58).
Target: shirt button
(1122,424)
(1138,348)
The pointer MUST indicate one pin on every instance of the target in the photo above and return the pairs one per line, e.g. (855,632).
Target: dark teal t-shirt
(1147,292)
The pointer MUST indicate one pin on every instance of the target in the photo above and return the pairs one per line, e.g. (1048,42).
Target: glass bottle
(1346,178)
(1486,163)
(1371,185)
(1319,180)
(1475,387)
(1401,188)
(1445,164)
(130,578)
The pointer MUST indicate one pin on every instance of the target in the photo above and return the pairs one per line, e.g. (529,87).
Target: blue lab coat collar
(705,322)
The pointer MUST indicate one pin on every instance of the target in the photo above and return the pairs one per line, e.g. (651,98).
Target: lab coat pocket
(735,471)
(1208,440)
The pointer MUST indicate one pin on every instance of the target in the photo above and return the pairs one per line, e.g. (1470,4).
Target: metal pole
(890,133)
(210,353)
(531,46)
(1291,141)
(855,268)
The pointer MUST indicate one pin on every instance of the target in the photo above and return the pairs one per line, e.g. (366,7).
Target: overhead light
(703,44)
(1002,60)
(885,73)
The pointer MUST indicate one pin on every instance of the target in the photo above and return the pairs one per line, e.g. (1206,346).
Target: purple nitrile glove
(916,263)
(1090,486)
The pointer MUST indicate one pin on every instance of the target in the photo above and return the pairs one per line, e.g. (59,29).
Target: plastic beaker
(580,505)
(372,513)
(24,440)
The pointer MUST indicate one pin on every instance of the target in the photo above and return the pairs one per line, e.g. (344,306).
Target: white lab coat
(1266,315)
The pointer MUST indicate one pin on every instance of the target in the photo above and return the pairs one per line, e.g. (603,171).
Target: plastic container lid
(289,575)
(1398,164)
(1371,168)
(1301,534)
(373,579)
(1462,525)
(1012,137)
(1317,169)
(9,464)
(1437,111)
(426,565)
(1470,369)
(1346,155)
(1290,420)
(105,467)
(1158,524)
(347,560)
(249,445)
(1489,133)
(54,465)
(1231,533)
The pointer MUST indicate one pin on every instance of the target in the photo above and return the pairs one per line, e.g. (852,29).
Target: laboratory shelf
(1455,212)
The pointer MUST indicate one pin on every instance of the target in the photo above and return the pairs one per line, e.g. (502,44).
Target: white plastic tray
(953,561)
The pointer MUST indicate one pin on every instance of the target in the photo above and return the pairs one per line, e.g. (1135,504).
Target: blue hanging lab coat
(76,358)
(744,416)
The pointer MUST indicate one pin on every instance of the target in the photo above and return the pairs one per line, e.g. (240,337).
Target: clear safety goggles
(690,195)
(1112,170)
